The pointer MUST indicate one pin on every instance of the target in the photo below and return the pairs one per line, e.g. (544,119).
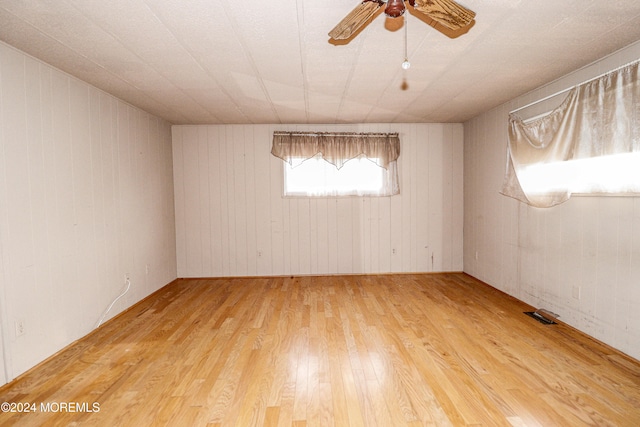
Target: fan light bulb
(406,64)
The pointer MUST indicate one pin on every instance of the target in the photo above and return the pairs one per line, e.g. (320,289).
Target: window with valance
(325,164)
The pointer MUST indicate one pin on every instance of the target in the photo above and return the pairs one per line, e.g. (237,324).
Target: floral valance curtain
(336,148)
(598,118)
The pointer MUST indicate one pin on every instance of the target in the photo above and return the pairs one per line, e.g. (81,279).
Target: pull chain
(406,64)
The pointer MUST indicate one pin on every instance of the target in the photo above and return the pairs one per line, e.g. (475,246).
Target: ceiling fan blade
(447,12)
(355,19)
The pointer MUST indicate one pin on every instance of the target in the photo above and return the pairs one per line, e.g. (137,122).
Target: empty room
(319,213)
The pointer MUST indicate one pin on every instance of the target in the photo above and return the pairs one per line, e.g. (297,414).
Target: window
(588,144)
(328,164)
(613,174)
(316,177)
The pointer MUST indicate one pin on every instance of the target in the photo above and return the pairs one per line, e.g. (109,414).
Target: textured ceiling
(220,61)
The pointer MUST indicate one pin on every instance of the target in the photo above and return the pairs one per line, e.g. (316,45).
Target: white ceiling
(220,61)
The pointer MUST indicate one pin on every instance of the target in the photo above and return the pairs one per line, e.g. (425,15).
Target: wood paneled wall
(231,218)
(580,259)
(86,197)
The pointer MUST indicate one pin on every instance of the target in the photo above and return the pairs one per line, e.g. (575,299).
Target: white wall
(580,259)
(86,196)
(231,218)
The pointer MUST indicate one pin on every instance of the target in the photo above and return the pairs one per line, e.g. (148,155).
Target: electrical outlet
(19,328)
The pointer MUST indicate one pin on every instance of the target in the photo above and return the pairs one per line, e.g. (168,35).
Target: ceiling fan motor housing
(395,8)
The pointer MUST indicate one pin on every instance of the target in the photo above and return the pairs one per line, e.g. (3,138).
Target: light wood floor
(441,349)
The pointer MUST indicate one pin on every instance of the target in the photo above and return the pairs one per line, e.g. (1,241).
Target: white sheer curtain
(589,144)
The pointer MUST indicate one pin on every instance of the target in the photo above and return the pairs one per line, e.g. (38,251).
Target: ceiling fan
(448,13)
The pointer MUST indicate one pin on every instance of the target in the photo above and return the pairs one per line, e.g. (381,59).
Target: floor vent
(543,316)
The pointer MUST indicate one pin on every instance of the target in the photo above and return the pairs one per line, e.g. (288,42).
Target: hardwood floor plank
(401,350)
(272,413)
